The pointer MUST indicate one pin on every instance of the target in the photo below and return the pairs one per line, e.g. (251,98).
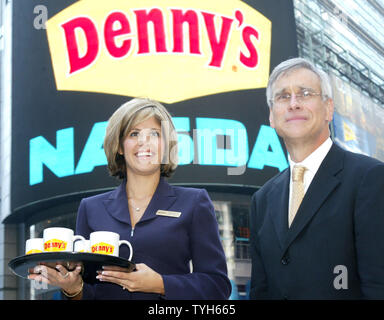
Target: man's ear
(271,119)
(330,109)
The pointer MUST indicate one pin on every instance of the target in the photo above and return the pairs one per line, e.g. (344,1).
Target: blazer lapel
(162,199)
(117,203)
(322,185)
(278,205)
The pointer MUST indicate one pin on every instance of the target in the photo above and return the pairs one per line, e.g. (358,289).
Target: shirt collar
(314,160)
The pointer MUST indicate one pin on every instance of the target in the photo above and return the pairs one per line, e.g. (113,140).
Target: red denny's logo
(102,248)
(168,50)
(55,245)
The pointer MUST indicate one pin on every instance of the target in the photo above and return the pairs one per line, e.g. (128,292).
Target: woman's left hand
(143,279)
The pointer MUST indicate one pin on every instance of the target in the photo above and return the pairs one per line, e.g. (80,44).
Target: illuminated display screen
(358,122)
(210,73)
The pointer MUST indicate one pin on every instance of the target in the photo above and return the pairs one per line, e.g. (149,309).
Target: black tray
(91,261)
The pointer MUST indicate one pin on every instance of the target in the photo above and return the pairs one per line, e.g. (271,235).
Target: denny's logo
(168,50)
(102,248)
(55,245)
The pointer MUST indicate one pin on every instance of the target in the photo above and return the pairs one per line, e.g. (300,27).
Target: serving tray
(91,261)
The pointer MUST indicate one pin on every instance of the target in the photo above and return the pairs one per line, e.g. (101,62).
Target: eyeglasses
(303,96)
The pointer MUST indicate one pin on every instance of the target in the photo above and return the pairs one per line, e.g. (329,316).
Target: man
(317,228)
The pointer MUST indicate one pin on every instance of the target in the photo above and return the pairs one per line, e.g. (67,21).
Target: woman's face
(143,148)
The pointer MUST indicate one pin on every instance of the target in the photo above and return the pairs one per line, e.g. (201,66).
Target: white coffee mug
(106,242)
(34,245)
(82,246)
(59,239)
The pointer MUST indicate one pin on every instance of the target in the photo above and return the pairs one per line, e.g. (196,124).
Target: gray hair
(298,63)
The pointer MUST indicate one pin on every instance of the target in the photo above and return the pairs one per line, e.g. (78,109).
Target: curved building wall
(58,109)
(51,154)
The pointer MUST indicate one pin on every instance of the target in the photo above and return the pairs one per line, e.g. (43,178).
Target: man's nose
(294,103)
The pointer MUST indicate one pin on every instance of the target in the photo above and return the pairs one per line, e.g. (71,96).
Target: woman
(141,149)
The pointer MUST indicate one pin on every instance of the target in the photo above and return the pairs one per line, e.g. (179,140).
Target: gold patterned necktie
(297,191)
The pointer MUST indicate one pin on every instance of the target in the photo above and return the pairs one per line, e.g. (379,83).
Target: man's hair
(298,63)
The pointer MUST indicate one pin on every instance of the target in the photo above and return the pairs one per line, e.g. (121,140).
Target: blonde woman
(141,149)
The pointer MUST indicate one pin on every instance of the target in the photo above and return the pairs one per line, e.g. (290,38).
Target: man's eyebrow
(307,88)
(300,87)
(280,91)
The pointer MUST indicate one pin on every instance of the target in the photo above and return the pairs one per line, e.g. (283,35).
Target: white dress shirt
(312,163)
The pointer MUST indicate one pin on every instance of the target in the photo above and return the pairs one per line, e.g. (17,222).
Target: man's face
(297,119)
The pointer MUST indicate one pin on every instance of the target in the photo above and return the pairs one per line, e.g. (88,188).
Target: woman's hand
(69,281)
(144,279)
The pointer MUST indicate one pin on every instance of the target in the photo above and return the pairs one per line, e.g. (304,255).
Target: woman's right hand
(70,282)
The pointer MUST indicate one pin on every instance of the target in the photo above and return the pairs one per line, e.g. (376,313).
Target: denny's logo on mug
(34,245)
(103,248)
(59,239)
(55,245)
(106,242)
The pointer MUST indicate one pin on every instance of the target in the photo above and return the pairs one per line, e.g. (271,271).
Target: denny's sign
(169,50)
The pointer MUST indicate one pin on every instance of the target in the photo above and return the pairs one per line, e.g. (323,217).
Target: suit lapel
(278,205)
(162,199)
(323,183)
(117,203)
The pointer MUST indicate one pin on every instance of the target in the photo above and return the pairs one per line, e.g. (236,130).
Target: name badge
(165,213)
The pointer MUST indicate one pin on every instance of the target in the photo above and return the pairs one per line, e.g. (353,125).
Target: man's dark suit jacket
(340,222)
(166,244)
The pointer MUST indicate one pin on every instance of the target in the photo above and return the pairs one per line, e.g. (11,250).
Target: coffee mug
(106,242)
(59,239)
(82,246)
(35,245)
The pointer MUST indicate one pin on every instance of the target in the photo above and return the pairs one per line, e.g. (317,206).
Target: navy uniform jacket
(340,222)
(165,244)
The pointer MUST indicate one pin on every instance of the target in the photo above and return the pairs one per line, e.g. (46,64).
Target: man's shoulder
(360,162)
(274,182)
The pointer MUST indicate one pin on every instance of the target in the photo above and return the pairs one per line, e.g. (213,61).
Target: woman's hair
(127,117)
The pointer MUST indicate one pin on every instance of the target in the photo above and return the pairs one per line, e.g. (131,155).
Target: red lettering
(110,34)
(143,18)
(252,60)
(118,37)
(217,46)
(86,25)
(179,18)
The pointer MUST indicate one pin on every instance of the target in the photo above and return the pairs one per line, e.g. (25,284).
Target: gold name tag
(165,213)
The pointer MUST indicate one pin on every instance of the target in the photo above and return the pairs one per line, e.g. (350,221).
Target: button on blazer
(166,244)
